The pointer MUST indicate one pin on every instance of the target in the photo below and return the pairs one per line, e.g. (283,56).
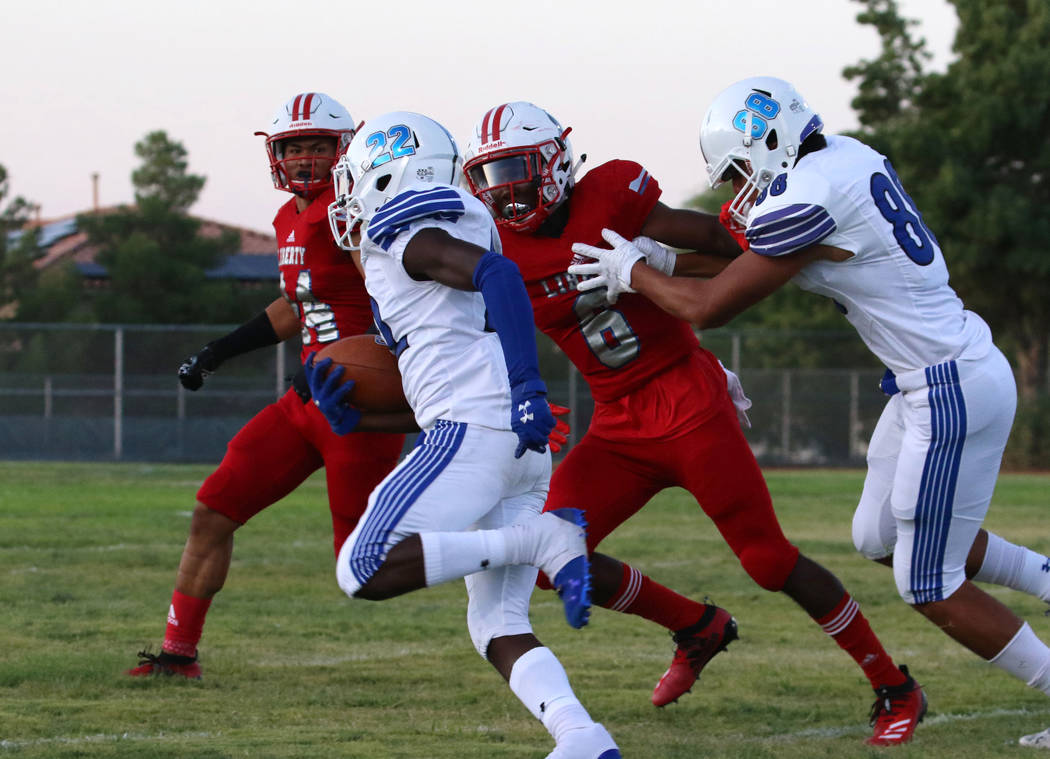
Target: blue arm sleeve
(510,313)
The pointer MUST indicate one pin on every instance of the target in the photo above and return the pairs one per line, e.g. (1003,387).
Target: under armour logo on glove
(532,421)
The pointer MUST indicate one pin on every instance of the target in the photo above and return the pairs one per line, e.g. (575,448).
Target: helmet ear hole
(771,140)
(382,182)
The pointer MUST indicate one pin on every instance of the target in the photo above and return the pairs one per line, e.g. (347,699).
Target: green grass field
(292,668)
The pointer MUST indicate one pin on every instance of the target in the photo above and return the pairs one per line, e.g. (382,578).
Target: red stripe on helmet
(496,121)
(308,106)
(485,126)
(295,107)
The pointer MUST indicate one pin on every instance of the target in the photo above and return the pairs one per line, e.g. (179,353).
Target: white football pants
(932,465)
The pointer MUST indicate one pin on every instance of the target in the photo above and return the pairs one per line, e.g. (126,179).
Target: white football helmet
(309,114)
(519,163)
(387,154)
(754,128)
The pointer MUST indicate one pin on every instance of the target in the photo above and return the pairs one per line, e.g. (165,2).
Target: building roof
(61,240)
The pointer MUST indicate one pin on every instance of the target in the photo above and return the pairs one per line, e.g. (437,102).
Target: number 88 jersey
(894,289)
(620,347)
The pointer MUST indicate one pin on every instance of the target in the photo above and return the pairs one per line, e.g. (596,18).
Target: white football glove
(736,392)
(656,255)
(610,269)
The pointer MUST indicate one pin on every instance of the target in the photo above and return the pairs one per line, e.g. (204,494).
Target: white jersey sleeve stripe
(789,229)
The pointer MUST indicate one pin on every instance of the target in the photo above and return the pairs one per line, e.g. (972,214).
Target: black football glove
(195,368)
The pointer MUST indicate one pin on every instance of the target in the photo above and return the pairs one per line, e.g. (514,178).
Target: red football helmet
(309,114)
(519,163)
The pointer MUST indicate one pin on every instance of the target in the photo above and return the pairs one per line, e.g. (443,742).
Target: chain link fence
(108,392)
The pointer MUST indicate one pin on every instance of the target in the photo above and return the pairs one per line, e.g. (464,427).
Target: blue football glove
(530,416)
(330,396)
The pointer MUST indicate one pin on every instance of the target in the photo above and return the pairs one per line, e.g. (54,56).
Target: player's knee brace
(769,565)
(874,530)
(868,542)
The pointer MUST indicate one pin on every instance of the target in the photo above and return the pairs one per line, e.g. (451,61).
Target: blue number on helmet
(758,124)
(377,141)
(762,105)
(399,136)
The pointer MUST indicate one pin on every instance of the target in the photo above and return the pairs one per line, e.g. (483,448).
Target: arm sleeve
(256,333)
(510,313)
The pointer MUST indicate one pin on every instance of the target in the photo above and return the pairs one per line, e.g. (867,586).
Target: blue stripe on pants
(433,453)
(933,511)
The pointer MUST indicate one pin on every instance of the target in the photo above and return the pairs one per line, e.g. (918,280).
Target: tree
(156,259)
(17,251)
(971,147)
(162,177)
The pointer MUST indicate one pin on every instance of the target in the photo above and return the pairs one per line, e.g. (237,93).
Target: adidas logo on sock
(172,619)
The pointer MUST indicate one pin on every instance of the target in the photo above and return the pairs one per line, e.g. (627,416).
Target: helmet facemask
(340,218)
(311,174)
(517,185)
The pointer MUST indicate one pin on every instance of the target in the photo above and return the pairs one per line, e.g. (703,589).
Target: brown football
(373,368)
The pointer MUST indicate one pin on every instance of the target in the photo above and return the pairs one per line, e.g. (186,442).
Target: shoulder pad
(442,203)
(791,214)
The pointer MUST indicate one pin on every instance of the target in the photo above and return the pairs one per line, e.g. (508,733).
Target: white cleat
(593,742)
(1036,740)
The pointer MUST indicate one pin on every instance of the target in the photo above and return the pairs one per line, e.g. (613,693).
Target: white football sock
(451,555)
(539,681)
(1015,567)
(1027,658)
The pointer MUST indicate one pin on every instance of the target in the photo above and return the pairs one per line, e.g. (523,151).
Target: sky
(86,79)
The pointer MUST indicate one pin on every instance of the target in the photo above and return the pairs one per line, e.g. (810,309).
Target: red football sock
(639,595)
(849,628)
(185,623)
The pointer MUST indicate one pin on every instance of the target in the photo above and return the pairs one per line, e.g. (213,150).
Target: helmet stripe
(295,107)
(496,121)
(307,105)
(485,126)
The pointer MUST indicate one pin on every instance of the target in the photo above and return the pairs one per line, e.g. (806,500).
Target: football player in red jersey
(663,415)
(322,298)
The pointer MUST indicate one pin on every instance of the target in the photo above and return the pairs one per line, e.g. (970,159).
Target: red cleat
(896,712)
(166,664)
(696,645)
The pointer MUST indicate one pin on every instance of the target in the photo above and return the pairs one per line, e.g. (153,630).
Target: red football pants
(284,444)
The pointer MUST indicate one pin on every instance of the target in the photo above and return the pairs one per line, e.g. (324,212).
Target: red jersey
(620,347)
(318,278)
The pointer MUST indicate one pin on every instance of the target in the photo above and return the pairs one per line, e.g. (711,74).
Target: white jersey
(451,366)
(894,290)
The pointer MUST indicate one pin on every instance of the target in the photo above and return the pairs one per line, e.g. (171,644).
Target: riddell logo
(493,145)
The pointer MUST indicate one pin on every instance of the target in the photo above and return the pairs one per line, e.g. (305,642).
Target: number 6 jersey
(617,348)
(894,289)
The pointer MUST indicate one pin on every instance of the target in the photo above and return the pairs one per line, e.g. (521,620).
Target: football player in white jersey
(467,501)
(830,214)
